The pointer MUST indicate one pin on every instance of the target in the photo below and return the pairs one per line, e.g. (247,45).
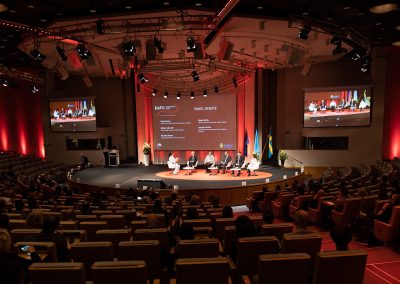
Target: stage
(127,176)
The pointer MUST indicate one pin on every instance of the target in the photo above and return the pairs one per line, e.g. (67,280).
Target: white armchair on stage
(174,167)
(253,167)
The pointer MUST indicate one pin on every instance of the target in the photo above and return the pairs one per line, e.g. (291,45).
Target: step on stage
(158,176)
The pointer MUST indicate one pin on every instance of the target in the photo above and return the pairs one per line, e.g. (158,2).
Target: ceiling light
(128,7)
(129,48)
(166,3)
(216,89)
(205,93)
(31,6)
(198,4)
(192,95)
(142,78)
(195,76)
(92,11)
(154,93)
(37,55)
(191,44)
(303,32)
(385,7)
(260,5)
(4,81)
(61,52)
(165,95)
(3,8)
(178,96)
(159,45)
(398,28)
(356,54)
(35,89)
(83,52)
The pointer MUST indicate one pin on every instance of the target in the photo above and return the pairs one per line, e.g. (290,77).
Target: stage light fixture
(35,89)
(83,52)
(384,7)
(37,55)
(159,45)
(61,52)
(234,81)
(216,89)
(365,63)
(356,54)
(178,96)
(142,78)
(192,95)
(205,93)
(195,76)
(154,93)
(303,32)
(128,48)
(4,81)
(165,95)
(191,44)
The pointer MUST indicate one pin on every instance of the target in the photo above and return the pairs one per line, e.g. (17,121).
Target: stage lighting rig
(365,63)
(154,93)
(191,44)
(195,76)
(35,89)
(178,96)
(128,48)
(205,93)
(192,95)
(159,45)
(142,78)
(83,52)
(61,52)
(165,95)
(37,55)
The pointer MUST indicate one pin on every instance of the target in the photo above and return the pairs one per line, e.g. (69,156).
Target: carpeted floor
(383,263)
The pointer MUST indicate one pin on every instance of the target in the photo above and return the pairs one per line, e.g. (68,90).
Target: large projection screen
(202,123)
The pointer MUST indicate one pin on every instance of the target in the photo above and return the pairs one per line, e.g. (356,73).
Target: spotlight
(356,54)
(192,95)
(142,78)
(365,63)
(154,93)
(61,52)
(216,89)
(35,89)
(100,27)
(129,48)
(339,49)
(159,45)
(205,93)
(191,44)
(37,55)
(4,82)
(195,76)
(165,95)
(303,32)
(178,96)
(83,52)
(234,81)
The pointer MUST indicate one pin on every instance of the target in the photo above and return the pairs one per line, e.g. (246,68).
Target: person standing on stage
(174,162)
(225,162)
(192,161)
(239,161)
(84,161)
(209,161)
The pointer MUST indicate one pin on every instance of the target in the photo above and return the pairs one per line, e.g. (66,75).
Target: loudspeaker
(199,53)
(154,183)
(150,50)
(296,56)
(225,50)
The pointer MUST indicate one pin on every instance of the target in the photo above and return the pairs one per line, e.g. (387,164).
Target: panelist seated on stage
(239,163)
(225,163)
(253,165)
(332,104)
(313,107)
(173,163)
(362,105)
(192,161)
(209,161)
(322,106)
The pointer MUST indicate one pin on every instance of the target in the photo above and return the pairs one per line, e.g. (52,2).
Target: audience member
(192,213)
(11,269)
(341,236)
(268,217)
(301,222)
(227,212)
(5,222)
(34,219)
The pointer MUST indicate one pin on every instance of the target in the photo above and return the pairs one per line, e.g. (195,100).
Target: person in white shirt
(173,162)
(362,105)
(332,104)
(253,165)
(209,161)
(313,107)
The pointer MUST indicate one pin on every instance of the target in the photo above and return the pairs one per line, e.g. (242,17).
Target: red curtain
(21,128)
(391,127)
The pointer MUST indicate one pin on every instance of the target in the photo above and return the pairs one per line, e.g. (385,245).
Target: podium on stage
(113,158)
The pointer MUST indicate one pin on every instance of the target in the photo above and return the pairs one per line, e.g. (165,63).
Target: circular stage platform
(202,175)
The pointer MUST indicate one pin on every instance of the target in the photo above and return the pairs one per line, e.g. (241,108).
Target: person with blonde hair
(11,269)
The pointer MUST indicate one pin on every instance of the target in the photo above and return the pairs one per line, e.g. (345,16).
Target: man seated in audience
(192,213)
(341,236)
(50,224)
(301,221)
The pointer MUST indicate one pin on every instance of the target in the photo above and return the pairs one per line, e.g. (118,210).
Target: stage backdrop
(237,110)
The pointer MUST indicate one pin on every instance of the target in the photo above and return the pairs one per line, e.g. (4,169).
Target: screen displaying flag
(246,143)
(270,149)
(256,146)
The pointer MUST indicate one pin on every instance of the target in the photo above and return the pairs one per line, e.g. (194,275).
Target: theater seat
(46,250)
(283,268)
(198,222)
(277,230)
(281,207)
(310,244)
(90,252)
(266,203)
(160,235)
(229,238)
(114,221)
(19,235)
(148,251)
(344,267)
(198,248)
(351,207)
(60,273)
(315,214)
(114,236)
(300,201)
(213,270)
(220,224)
(249,249)
(251,202)
(91,227)
(119,272)
(388,232)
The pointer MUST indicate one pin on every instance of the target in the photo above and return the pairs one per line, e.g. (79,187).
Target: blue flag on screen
(246,143)
(256,146)
(270,149)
